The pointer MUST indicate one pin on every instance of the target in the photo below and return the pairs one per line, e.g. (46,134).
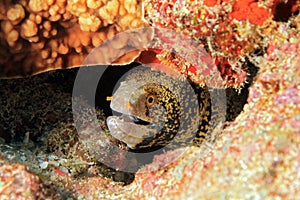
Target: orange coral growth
(210,2)
(37,36)
(249,10)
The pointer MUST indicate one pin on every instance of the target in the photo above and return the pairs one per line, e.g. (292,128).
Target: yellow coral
(16,14)
(89,22)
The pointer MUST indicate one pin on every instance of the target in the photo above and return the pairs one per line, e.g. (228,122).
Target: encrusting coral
(29,185)
(229,30)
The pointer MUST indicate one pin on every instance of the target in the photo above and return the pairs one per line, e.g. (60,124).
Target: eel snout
(128,125)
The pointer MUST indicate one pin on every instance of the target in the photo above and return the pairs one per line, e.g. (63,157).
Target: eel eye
(150,100)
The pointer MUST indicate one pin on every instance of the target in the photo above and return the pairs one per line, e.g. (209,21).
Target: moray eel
(153,110)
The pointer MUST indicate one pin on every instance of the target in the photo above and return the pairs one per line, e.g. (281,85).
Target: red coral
(249,10)
(210,2)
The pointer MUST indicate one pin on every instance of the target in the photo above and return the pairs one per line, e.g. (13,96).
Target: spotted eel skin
(156,110)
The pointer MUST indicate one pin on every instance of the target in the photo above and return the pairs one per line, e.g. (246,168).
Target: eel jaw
(131,130)
(127,128)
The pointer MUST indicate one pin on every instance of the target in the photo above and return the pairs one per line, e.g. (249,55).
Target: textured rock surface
(18,183)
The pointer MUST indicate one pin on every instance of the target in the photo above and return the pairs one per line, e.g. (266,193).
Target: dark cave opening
(282,11)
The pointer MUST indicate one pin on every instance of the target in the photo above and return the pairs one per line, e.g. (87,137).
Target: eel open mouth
(125,125)
(139,121)
(131,129)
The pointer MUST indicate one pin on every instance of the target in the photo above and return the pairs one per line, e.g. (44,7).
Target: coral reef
(229,30)
(256,156)
(40,36)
